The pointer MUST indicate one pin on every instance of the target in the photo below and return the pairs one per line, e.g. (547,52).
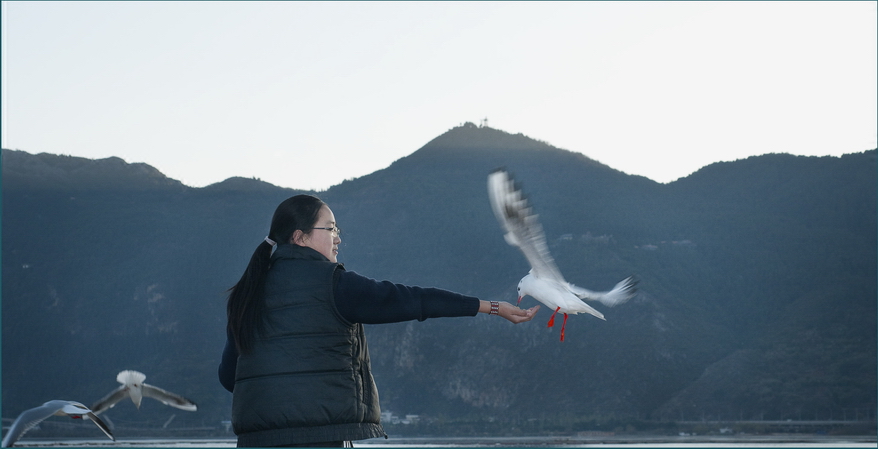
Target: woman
(296,358)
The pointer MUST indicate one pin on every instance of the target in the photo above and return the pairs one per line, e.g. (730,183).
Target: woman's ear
(298,238)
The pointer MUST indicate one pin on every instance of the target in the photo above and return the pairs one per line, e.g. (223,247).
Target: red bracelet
(495,308)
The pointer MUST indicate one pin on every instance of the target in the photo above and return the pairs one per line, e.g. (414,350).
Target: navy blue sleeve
(228,365)
(367,301)
(363,300)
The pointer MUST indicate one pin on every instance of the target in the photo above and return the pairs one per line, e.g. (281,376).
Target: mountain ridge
(78,173)
(464,138)
(735,272)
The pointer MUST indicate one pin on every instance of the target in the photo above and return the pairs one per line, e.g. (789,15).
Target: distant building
(389,418)
(601,239)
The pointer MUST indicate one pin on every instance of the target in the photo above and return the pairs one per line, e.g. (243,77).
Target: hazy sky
(307,94)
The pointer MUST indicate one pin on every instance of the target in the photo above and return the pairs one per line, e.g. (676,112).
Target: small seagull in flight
(133,387)
(544,281)
(30,418)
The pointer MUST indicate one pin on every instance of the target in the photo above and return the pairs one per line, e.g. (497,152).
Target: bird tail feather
(622,292)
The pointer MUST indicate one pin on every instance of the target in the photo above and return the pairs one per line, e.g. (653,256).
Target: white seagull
(544,281)
(30,418)
(133,387)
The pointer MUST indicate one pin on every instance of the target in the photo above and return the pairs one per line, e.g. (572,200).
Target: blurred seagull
(544,281)
(30,418)
(133,387)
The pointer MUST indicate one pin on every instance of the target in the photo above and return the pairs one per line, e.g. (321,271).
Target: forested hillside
(757,293)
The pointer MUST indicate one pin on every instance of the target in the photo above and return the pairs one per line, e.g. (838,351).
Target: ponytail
(246,305)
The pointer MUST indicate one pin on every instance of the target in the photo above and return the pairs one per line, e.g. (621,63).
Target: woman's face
(324,241)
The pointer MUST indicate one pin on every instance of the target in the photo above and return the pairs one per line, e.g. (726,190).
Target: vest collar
(290,251)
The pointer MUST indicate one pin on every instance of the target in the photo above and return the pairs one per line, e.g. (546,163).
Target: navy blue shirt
(363,300)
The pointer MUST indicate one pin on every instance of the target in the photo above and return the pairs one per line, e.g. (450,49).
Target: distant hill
(52,172)
(757,285)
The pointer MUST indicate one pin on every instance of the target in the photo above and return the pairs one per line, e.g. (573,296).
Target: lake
(773,441)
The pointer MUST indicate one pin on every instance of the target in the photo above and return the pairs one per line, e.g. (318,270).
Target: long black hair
(246,303)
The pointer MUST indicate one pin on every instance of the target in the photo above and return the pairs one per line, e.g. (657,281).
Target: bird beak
(519,301)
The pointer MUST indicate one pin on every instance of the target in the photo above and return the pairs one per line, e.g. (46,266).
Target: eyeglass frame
(334,230)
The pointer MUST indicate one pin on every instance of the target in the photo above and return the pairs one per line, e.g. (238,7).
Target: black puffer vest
(308,378)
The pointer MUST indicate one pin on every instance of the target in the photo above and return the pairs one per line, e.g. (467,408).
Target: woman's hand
(510,312)
(516,315)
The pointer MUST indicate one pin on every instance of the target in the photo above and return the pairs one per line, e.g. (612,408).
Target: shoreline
(784,440)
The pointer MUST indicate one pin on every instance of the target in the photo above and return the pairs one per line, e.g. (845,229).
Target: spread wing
(103,426)
(520,224)
(77,410)
(168,398)
(28,419)
(110,400)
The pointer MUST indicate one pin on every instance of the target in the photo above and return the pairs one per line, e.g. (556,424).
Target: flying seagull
(30,418)
(544,281)
(134,388)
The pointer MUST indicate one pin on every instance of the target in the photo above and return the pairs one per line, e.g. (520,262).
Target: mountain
(52,172)
(757,285)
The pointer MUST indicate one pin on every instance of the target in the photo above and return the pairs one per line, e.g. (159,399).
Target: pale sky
(308,94)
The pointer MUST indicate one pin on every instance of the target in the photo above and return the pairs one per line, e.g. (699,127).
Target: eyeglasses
(334,230)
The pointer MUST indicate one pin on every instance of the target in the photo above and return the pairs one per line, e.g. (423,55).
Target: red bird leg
(552,320)
(563,326)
